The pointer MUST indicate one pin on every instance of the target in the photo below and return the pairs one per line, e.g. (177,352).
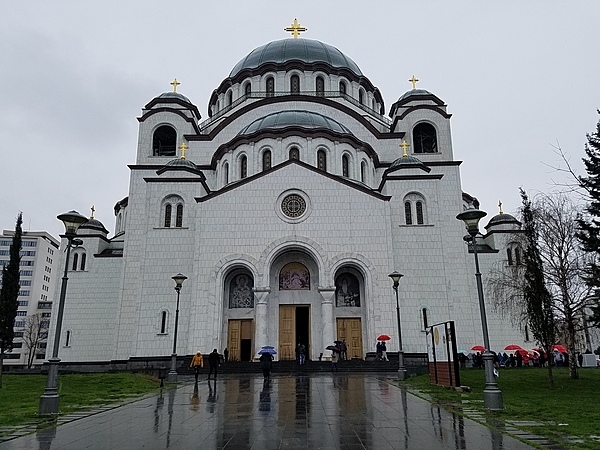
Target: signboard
(441,351)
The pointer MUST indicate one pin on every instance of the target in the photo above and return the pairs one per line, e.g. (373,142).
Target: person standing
(213,363)
(335,357)
(301,354)
(378,348)
(344,353)
(266,360)
(226,354)
(384,352)
(197,363)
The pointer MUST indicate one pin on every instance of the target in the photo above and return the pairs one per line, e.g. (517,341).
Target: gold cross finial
(175,83)
(93,210)
(500,206)
(295,29)
(404,146)
(414,80)
(183,147)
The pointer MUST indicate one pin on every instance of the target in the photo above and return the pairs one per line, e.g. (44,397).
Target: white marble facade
(295,192)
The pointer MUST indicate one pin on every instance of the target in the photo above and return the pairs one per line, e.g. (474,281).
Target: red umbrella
(383,337)
(559,348)
(478,348)
(513,347)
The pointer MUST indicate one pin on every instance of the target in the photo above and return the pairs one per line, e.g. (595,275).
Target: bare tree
(35,333)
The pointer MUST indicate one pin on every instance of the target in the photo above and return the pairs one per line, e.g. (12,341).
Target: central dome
(303,119)
(303,50)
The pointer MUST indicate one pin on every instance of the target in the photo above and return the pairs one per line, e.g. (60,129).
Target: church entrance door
(294,329)
(351,331)
(239,340)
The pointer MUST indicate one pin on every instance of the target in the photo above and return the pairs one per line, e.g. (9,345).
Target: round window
(293,206)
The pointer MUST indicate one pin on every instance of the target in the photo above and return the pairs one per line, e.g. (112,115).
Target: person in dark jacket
(213,362)
(265,364)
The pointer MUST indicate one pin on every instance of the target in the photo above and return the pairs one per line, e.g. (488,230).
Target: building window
(361,97)
(295,84)
(82,265)
(414,206)
(270,86)
(424,317)
(347,290)
(518,256)
(408,213)
(163,322)
(345,166)
(320,86)
(164,141)
(266,160)
(294,153)
(293,206)
(229,98)
(240,291)
(168,210)
(75,260)
(342,87)
(179,216)
(243,167)
(509,256)
(322,160)
(424,138)
(419,206)
(248,89)
(68,338)
(226,173)
(363,172)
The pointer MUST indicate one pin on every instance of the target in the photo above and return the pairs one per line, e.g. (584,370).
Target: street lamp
(172,375)
(395,276)
(49,399)
(492,396)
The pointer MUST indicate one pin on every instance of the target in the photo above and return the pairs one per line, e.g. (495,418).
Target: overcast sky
(517,77)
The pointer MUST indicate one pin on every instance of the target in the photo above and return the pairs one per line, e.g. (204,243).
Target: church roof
(176,95)
(303,119)
(407,161)
(93,224)
(302,50)
(502,219)
(414,92)
(181,162)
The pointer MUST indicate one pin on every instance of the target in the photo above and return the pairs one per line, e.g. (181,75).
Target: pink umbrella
(559,348)
(383,337)
(513,347)
(478,348)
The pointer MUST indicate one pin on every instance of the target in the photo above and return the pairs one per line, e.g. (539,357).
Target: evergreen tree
(537,297)
(9,293)
(589,233)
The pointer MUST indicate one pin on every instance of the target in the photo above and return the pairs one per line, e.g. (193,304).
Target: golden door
(239,340)
(351,331)
(287,332)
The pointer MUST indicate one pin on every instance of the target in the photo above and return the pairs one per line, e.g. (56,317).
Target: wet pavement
(321,411)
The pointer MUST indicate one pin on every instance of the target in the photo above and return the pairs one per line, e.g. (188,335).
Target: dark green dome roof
(502,219)
(303,50)
(176,95)
(304,119)
(181,162)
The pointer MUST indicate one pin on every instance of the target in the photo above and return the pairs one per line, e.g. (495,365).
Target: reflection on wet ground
(324,411)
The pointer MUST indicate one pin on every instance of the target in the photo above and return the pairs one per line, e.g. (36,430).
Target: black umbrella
(333,348)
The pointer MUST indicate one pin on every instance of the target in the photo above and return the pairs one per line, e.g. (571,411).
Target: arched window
(243,167)
(266,160)
(345,166)
(373,105)
(342,87)
(361,97)
(164,141)
(363,172)
(295,84)
(424,318)
(163,322)
(408,213)
(322,160)
(229,98)
(518,256)
(75,259)
(82,265)
(419,206)
(270,86)
(168,209)
(68,338)
(294,153)
(179,216)
(424,138)
(225,173)
(240,291)
(248,89)
(320,86)
(509,256)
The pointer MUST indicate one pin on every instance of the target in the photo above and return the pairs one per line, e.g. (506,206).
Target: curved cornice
(436,109)
(176,101)
(179,112)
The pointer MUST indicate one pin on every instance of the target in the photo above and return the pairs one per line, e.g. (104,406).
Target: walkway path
(323,411)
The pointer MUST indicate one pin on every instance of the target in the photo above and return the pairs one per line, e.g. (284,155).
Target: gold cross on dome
(183,147)
(500,206)
(93,210)
(404,146)
(295,29)
(175,83)
(414,80)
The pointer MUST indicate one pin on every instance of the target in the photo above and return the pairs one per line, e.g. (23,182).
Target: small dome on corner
(93,224)
(408,162)
(174,95)
(415,93)
(180,162)
(502,219)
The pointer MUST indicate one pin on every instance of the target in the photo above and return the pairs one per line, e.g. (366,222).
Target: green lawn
(572,408)
(20,394)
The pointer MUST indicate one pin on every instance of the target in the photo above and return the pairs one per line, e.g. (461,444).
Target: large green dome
(302,50)
(303,119)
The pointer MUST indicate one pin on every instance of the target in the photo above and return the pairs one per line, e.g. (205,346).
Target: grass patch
(574,404)
(20,394)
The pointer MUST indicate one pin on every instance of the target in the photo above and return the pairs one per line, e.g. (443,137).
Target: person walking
(384,352)
(378,348)
(266,360)
(226,355)
(213,363)
(344,352)
(335,357)
(197,364)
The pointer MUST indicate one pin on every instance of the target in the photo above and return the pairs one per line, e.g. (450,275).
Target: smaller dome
(303,119)
(408,161)
(93,224)
(174,95)
(502,219)
(414,93)
(180,162)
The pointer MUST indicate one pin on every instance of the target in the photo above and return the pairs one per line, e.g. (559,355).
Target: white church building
(287,208)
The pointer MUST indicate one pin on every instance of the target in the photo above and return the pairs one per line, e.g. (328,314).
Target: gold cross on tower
(295,29)
(414,80)
(183,147)
(500,206)
(93,210)
(175,83)
(404,146)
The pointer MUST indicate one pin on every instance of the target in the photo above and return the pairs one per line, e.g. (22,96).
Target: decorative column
(327,295)
(261,319)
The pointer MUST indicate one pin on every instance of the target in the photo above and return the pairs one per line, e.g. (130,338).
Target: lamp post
(172,375)
(492,396)
(49,399)
(395,276)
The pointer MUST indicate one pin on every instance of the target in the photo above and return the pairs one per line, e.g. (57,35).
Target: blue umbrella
(267,349)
